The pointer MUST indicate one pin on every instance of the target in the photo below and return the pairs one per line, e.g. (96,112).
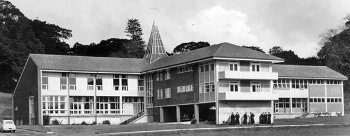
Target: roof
(155,49)
(223,50)
(302,71)
(85,63)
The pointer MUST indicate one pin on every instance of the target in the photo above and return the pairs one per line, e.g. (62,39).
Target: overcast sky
(291,24)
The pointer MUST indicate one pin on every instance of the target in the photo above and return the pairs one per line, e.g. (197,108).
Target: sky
(292,24)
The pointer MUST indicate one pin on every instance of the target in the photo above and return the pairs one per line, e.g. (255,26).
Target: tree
(189,46)
(289,56)
(134,31)
(275,50)
(254,48)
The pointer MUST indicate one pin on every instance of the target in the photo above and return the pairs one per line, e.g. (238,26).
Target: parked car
(7,125)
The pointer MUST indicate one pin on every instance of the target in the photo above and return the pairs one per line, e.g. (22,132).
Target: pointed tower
(155,49)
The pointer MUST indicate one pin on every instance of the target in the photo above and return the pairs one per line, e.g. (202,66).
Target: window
(167,93)
(316,81)
(202,68)
(234,86)
(90,82)
(158,93)
(161,93)
(81,105)
(116,82)
(107,105)
(99,82)
(184,69)
(167,74)
(187,88)
(255,67)
(233,66)
(44,81)
(141,83)
(157,76)
(299,83)
(256,87)
(63,81)
(54,105)
(212,67)
(333,82)
(281,84)
(206,67)
(72,82)
(124,82)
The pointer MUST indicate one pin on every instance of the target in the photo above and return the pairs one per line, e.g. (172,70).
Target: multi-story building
(207,84)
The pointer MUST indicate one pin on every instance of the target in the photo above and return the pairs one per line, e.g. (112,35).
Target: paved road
(21,132)
(333,130)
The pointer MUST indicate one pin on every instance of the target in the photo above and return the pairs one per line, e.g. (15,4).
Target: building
(207,84)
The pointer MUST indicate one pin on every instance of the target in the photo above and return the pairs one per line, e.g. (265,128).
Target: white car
(7,125)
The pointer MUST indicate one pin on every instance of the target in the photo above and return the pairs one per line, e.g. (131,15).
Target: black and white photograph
(174,67)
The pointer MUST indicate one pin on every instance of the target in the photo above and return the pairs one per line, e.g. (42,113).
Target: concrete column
(272,112)
(196,112)
(342,98)
(178,118)
(290,105)
(120,105)
(161,114)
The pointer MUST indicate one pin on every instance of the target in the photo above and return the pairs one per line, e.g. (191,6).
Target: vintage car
(7,126)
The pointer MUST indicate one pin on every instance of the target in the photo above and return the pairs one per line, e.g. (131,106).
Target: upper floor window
(63,81)
(44,81)
(299,83)
(207,67)
(141,83)
(186,88)
(316,81)
(167,74)
(120,80)
(99,82)
(184,69)
(255,67)
(281,83)
(90,82)
(72,82)
(234,86)
(333,82)
(233,66)
(256,87)
(167,93)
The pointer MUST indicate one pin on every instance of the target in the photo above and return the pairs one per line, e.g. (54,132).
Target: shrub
(94,123)
(106,122)
(83,123)
(55,122)
(46,120)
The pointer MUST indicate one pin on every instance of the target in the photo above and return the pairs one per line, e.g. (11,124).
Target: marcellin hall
(207,84)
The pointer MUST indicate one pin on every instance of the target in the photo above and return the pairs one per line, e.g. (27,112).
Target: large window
(120,82)
(107,105)
(54,105)
(99,82)
(234,66)
(234,86)
(333,82)
(90,82)
(81,104)
(44,81)
(141,83)
(167,93)
(299,83)
(72,82)
(281,83)
(255,67)
(124,82)
(63,81)
(184,69)
(256,87)
(186,88)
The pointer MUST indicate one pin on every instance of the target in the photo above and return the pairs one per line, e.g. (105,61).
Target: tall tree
(189,46)
(254,48)
(336,48)
(288,55)
(134,31)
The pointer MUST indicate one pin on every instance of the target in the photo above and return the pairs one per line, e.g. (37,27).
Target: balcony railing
(248,75)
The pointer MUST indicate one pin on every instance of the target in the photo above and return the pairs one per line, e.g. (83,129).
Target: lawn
(5,105)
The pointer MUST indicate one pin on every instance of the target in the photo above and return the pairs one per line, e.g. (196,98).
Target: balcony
(247,96)
(248,75)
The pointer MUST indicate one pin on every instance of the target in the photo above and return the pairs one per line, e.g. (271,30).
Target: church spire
(155,49)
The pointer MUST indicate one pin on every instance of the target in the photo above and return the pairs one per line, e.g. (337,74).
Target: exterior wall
(156,114)
(245,86)
(177,79)
(27,86)
(317,107)
(244,66)
(334,90)
(114,120)
(317,90)
(256,107)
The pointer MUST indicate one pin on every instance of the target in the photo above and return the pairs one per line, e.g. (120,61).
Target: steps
(134,118)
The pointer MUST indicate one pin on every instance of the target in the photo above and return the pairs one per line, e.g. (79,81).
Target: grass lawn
(5,105)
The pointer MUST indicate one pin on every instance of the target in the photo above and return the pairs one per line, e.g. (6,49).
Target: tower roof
(155,48)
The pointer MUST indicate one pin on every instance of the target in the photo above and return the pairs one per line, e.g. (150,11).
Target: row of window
(206,67)
(184,69)
(187,88)
(207,87)
(85,105)
(296,103)
(120,82)
(163,75)
(299,83)
(329,100)
(164,94)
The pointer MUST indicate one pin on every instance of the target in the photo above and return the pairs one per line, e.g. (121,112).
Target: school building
(207,84)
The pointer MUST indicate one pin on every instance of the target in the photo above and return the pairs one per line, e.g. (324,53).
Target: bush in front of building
(106,122)
(93,123)
(83,123)
(46,120)
(55,122)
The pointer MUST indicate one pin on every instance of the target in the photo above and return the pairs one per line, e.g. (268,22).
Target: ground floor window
(81,104)
(107,105)
(53,105)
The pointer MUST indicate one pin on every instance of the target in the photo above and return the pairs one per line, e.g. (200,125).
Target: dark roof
(85,63)
(301,71)
(224,50)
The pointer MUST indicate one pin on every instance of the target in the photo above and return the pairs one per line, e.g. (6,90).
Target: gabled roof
(302,71)
(223,50)
(85,63)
